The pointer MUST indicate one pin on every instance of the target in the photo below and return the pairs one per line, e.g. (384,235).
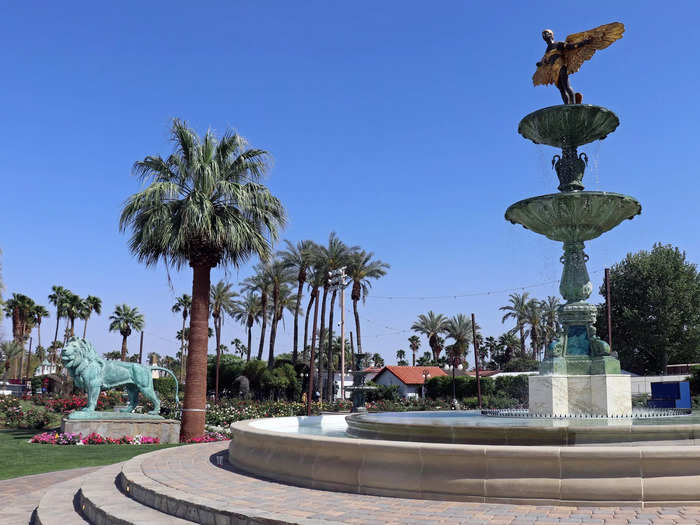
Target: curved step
(103,503)
(57,506)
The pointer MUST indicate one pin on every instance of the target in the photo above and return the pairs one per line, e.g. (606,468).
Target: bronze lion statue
(92,373)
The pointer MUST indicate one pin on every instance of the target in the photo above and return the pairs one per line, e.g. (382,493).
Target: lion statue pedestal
(91,373)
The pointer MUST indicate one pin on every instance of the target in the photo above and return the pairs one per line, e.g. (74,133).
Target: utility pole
(342,336)
(607,305)
(476,361)
(352,347)
(141,349)
(311,362)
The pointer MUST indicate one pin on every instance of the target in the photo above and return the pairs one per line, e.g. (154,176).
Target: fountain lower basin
(314,452)
(573,216)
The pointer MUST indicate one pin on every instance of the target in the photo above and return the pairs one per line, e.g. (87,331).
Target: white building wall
(642,384)
(389,379)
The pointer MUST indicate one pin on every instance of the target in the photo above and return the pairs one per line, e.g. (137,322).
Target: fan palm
(459,329)
(278,275)
(73,308)
(19,308)
(221,302)
(361,269)
(517,310)
(431,326)
(247,312)
(90,304)
(11,350)
(204,207)
(124,320)
(182,304)
(38,313)
(298,258)
(550,307)
(56,298)
(414,345)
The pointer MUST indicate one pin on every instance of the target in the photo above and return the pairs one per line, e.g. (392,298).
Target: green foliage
(694,381)
(514,387)
(230,367)
(521,364)
(383,392)
(655,310)
(165,388)
(465,386)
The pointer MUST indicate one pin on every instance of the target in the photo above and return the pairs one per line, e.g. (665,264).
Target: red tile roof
(412,375)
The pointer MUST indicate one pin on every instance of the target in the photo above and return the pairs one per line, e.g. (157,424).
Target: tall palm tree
(431,326)
(550,307)
(534,318)
(298,258)
(11,350)
(182,304)
(204,207)
(56,298)
(247,312)
(221,302)
(517,310)
(401,357)
(73,308)
(315,278)
(414,345)
(19,308)
(260,283)
(90,304)
(279,275)
(361,269)
(459,329)
(38,313)
(124,320)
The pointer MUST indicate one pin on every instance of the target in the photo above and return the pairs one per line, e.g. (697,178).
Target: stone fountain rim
(568,108)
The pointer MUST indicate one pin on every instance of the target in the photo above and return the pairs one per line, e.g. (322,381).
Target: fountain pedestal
(598,395)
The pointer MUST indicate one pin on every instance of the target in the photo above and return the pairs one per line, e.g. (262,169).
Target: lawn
(20,458)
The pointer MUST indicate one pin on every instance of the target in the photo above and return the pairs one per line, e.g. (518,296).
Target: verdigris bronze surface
(92,373)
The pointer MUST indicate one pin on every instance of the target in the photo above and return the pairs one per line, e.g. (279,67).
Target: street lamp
(426,376)
(455,360)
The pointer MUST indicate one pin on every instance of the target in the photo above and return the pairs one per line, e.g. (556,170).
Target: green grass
(20,458)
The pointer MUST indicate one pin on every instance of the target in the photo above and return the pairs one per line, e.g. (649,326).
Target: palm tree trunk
(29,357)
(85,327)
(250,340)
(217,327)
(193,411)
(295,351)
(321,340)
(312,355)
(72,326)
(331,381)
(273,327)
(124,347)
(182,349)
(414,356)
(55,337)
(38,331)
(522,340)
(357,326)
(314,294)
(263,302)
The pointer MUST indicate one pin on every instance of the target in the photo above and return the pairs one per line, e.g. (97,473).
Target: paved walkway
(203,470)
(20,496)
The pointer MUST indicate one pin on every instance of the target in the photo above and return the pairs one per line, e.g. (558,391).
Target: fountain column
(578,375)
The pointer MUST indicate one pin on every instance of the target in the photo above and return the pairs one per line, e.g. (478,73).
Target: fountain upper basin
(573,216)
(568,125)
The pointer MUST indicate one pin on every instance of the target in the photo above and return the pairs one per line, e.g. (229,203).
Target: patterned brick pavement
(203,470)
(20,496)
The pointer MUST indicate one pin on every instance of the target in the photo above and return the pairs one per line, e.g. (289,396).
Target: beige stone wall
(167,430)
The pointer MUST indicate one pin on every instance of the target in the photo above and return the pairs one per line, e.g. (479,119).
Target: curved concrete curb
(543,475)
(57,506)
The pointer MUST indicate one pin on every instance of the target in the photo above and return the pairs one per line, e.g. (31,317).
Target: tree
(278,275)
(459,329)
(377,361)
(38,313)
(361,268)
(260,283)
(655,310)
(425,360)
(124,320)
(56,298)
(247,312)
(182,304)
(517,310)
(221,302)
(401,358)
(238,347)
(10,351)
(414,345)
(73,308)
(90,304)
(316,278)
(204,207)
(550,307)
(298,258)
(153,357)
(534,318)
(431,326)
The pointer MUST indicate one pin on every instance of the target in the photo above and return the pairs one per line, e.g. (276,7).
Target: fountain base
(600,395)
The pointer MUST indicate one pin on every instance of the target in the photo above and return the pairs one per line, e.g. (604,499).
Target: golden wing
(547,73)
(591,40)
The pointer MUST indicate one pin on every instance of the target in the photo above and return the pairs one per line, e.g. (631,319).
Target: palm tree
(517,309)
(260,283)
(38,313)
(247,312)
(298,258)
(19,308)
(550,307)
(414,345)
(401,357)
(361,269)
(182,304)
(534,317)
(316,278)
(459,329)
(56,298)
(90,304)
(153,358)
(10,351)
(377,361)
(431,326)
(203,207)
(73,308)
(221,302)
(124,320)
(279,275)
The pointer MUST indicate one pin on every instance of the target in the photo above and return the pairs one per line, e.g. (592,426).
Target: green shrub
(382,392)
(694,381)
(165,388)
(515,387)
(465,386)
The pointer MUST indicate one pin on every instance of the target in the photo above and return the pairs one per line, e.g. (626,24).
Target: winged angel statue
(562,59)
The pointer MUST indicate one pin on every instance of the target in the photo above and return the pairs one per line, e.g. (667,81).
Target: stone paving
(20,496)
(203,470)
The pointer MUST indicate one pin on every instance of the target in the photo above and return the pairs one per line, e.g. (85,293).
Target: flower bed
(67,438)
(210,437)
(62,405)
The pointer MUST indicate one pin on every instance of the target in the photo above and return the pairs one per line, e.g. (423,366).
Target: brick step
(57,506)
(103,503)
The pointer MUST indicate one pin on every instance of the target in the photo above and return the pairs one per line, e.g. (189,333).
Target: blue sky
(392,123)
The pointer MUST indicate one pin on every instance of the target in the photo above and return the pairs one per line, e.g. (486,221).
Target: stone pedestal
(167,430)
(598,395)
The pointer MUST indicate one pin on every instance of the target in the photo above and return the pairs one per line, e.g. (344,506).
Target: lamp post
(426,376)
(455,360)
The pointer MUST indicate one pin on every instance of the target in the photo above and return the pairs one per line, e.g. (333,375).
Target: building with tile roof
(409,379)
